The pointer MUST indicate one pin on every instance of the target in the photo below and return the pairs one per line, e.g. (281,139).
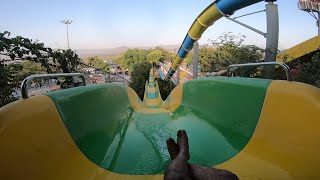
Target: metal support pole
(178,75)
(272,36)
(67,22)
(318,23)
(247,26)
(195,60)
(68,36)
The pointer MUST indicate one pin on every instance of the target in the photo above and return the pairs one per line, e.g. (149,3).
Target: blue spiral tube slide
(212,13)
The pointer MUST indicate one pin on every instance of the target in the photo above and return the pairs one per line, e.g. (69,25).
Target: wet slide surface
(117,137)
(106,132)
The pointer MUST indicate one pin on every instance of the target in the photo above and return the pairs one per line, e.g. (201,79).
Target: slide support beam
(247,26)
(318,23)
(272,37)
(195,60)
(178,75)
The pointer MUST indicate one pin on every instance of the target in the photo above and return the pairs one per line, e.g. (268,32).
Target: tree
(20,48)
(226,50)
(164,87)
(99,64)
(29,68)
(208,57)
(189,59)
(166,55)
(139,76)
(304,69)
(65,60)
(9,82)
(132,56)
(140,62)
(309,72)
(26,49)
(155,57)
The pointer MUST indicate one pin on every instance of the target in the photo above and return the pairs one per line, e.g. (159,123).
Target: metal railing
(24,84)
(284,66)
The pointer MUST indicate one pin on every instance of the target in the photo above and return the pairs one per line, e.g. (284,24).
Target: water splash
(156,131)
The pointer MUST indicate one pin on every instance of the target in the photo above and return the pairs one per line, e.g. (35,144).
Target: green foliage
(44,58)
(189,59)
(9,82)
(305,69)
(99,64)
(155,57)
(27,49)
(11,77)
(309,72)
(226,50)
(140,62)
(65,60)
(29,68)
(132,56)
(166,55)
(208,57)
(139,76)
(244,54)
(164,87)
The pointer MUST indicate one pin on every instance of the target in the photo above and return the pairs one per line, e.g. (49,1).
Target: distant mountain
(113,52)
(170,48)
(108,52)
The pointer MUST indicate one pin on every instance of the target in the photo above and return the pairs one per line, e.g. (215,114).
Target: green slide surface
(115,136)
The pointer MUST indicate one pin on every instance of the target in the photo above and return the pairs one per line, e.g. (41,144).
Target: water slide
(256,128)
(307,47)
(212,13)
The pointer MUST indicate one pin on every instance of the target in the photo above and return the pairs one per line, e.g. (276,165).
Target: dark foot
(172,148)
(201,172)
(183,144)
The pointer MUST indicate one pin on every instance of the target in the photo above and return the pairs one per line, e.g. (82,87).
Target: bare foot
(172,148)
(179,154)
(183,144)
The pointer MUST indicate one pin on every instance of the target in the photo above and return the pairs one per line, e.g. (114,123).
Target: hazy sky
(113,23)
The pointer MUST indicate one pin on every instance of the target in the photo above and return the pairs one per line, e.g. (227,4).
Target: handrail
(283,65)
(24,88)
